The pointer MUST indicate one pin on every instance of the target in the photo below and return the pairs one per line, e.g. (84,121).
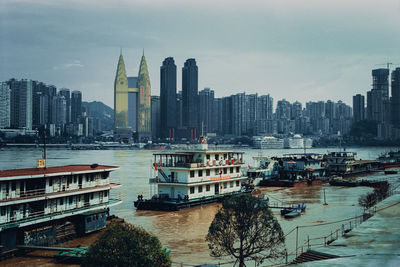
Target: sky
(304,50)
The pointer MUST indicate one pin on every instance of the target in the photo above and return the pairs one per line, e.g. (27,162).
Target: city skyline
(323,50)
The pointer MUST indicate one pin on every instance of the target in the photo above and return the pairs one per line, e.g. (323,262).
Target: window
(87,178)
(208,156)
(191,174)
(3,211)
(231,184)
(13,185)
(225,156)
(208,188)
(192,190)
(237,169)
(216,171)
(237,183)
(217,157)
(200,188)
(75,179)
(231,169)
(105,193)
(225,185)
(207,172)
(200,173)
(70,200)
(225,170)
(50,182)
(21,186)
(61,201)
(91,196)
(88,219)
(92,177)
(69,180)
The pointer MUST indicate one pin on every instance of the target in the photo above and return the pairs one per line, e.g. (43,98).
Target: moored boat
(188,178)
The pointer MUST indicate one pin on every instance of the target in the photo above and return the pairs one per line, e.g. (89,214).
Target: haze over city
(298,50)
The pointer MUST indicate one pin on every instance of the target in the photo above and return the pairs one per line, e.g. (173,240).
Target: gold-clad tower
(142,89)
(144,102)
(121,96)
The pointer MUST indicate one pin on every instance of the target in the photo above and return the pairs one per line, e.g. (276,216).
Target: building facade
(168,104)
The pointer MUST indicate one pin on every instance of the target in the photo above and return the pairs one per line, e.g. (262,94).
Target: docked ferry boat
(46,205)
(185,179)
(390,159)
(343,163)
(264,169)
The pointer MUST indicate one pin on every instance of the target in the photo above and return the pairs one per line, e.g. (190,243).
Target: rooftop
(55,169)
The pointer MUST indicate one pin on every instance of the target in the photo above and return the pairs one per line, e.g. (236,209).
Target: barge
(43,206)
(343,163)
(188,178)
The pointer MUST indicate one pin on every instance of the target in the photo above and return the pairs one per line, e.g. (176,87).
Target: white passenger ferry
(184,179)
(43,206)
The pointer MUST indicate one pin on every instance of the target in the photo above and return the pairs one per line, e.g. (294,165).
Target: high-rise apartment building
(168,104)
(155,117)
(21,103)
(76,106)
(358,108)
(190,104)
(395,99)
(206,112)
(67,96)
(5,96)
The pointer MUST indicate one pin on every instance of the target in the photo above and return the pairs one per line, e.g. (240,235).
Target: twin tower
(132,103)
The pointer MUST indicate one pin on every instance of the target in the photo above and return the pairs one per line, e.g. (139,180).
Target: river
(184,231)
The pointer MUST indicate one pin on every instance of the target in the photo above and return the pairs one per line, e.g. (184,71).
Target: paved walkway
(376,242)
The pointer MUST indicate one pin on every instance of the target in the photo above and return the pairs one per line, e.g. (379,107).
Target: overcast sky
(293,49)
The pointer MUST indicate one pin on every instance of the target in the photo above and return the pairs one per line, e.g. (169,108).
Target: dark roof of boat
(56,169)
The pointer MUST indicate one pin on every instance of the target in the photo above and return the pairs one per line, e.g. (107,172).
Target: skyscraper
(155,116)
(358,108)
(5,95)
(144,102)
(76,106)
(168,115)
(21,103)
(206,113)
(395,100)
(121,96)
(66,94)
(378,97)
(190,104)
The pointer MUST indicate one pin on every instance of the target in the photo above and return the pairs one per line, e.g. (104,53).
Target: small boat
(294,213)
(300,207)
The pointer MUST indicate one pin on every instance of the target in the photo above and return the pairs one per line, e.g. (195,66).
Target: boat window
(225,185)
(91,196)
(216,156)
(13,185)
(231,170)
(50,182)
(216,171)
(207,172)
(192,190)
(231,184)
(237,183)
(225,170)
(207,187)
(61,201)
(70,200)
(192,174)
(200,188)
(225,156)
(3,211)
(88,219)
(105,193)
(208,156)
(200,173)
(237,169)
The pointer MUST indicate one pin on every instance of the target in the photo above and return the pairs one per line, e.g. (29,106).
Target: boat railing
(208,163)
(36,215)
(24,194)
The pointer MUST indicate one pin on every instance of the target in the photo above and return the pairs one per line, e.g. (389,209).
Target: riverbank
(373,243)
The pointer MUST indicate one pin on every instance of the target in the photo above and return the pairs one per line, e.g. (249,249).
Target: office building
(190,103)
(358,108)
(5,110)
(168,103)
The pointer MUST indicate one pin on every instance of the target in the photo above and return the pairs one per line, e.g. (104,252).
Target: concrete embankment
(374,243)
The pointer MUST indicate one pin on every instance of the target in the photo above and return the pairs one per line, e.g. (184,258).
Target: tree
(244,228)
(123,244)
